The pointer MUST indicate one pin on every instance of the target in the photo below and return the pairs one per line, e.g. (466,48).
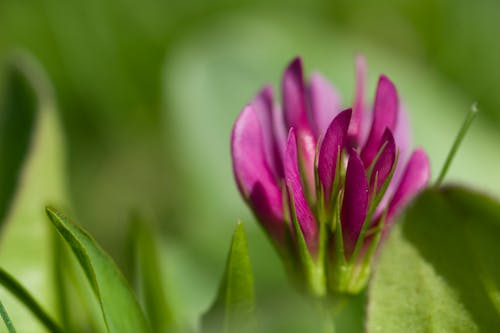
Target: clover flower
(326,183)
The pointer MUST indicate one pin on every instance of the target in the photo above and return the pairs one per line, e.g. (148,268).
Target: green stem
(458,140)
(328,325)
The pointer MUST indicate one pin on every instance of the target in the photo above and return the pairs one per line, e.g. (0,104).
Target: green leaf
(23,295)
(17,119)
(233,309)
(148,277)
(120,309)
(6,319)
(31,175)
(439,270)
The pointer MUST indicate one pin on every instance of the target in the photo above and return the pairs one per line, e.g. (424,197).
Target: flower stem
(458,140)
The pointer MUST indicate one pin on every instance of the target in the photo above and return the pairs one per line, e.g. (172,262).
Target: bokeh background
(147,92)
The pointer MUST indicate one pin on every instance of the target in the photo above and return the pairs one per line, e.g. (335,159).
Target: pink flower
(330,172)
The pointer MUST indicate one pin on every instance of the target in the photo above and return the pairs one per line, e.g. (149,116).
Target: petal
(294,100)
(385,111)
(253,175)
(264,108)
(334,140)
(280,134)
(307,154)
(402,138)
(296,195)
(355,202)
(402,134)
(415,177)
(325,103)
(359,101)
(386,160)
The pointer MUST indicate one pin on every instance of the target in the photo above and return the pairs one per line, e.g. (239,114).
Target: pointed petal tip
(253,175)
(385,115)
(355,127)
(385,82)
(335,138)
(324,102)
(294,96)
(360,63)
(295,62)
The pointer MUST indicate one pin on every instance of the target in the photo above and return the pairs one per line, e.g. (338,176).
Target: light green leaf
(120,309)
(23,295)
(31,175)
(148,278)
(233,309)
(439,271)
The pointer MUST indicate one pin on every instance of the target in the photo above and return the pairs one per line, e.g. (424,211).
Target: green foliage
(148,277)
(23,295)
(6,319)
(233,309)
(439,271)
(121,311)
(17,119)
(32,174)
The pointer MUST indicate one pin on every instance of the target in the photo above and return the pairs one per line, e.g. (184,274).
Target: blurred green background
(147,92)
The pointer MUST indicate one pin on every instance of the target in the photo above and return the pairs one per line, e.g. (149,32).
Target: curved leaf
(439,270)
(11,284)
(31,174)
(233,309)
(120,309)
(17,119)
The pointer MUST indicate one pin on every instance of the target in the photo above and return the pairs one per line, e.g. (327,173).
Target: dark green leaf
(439,270)
(233,309)
(148,277)
(17,118)
(120,309)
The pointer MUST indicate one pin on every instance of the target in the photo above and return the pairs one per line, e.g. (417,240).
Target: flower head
(326,183)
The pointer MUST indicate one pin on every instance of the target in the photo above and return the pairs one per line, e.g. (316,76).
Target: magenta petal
(253,175)
(385,113)
(414,179)
(294,100)
(303,212)
(359,101)
(325,103)
(355,202)
(386,160)
(264,108)
(402,134)
(333,141)
(280,134)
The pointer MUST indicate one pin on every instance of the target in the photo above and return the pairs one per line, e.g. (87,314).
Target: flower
(326,183)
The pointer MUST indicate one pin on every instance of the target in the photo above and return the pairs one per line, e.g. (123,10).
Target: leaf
(148,277)
(31,175)
(439,271)
(121,311)
(19,110)
(233,309)
(6,319)
(23,295)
